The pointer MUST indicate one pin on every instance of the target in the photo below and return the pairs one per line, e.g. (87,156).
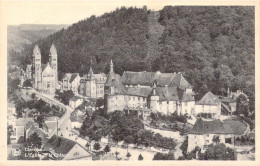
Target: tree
(27,83)
(34,141)
(242,105)
(216,139)
(107,149)
(116,153)
(97,146)
(162,156)
(140,157)
(128,140)
(219,152)
(64,97)
(128,155)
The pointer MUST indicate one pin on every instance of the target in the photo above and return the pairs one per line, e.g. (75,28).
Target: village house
(77,117)
(20,128)
(65,149)
(92,85)
(24,128)
(71,81)
(75,101)
(161,92)
(204,130)
(208,104)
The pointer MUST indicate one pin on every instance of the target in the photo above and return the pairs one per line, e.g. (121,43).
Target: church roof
(43,66)
(209,99)
(215,126)
(53,50)
(36,50)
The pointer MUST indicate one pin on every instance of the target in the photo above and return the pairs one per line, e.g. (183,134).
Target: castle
(160,92)
(44,76)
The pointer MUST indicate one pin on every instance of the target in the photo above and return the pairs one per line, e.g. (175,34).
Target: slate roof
(146,78)
(180,82)
(236,125)
(139,91)
(38,131)
(60,145)
(114,80)
(210,127)
(209,99)
(167,93)
(187,97)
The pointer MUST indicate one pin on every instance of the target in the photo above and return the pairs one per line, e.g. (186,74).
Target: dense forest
(212,46)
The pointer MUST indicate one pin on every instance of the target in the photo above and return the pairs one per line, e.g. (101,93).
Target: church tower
(37,67)
(54,62)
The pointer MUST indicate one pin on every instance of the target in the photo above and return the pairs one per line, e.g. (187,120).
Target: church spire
(111,66)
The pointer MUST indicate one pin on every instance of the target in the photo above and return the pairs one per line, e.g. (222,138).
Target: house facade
(71,81)
(92,85)
(204,131)
(208,104)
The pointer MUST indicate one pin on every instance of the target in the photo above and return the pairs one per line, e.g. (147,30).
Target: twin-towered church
(44,76)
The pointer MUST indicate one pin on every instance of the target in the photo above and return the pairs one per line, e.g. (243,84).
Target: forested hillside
(213,46)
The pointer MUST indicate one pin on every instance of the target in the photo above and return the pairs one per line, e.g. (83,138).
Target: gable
(48,70)
(78,152)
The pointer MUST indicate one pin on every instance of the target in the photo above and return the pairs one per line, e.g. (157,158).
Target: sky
(66,12)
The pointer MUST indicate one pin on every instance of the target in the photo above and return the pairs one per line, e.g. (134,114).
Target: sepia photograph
(130,82)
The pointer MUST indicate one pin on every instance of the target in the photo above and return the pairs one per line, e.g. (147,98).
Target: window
(228,140)
(186,103)
(48,85)
(138,98)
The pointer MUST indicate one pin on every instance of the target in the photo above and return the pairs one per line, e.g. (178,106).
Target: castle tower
(36,67)
(154,98)
(108,85)
(53,59)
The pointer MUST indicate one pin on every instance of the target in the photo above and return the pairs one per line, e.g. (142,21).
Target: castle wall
(116,102)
